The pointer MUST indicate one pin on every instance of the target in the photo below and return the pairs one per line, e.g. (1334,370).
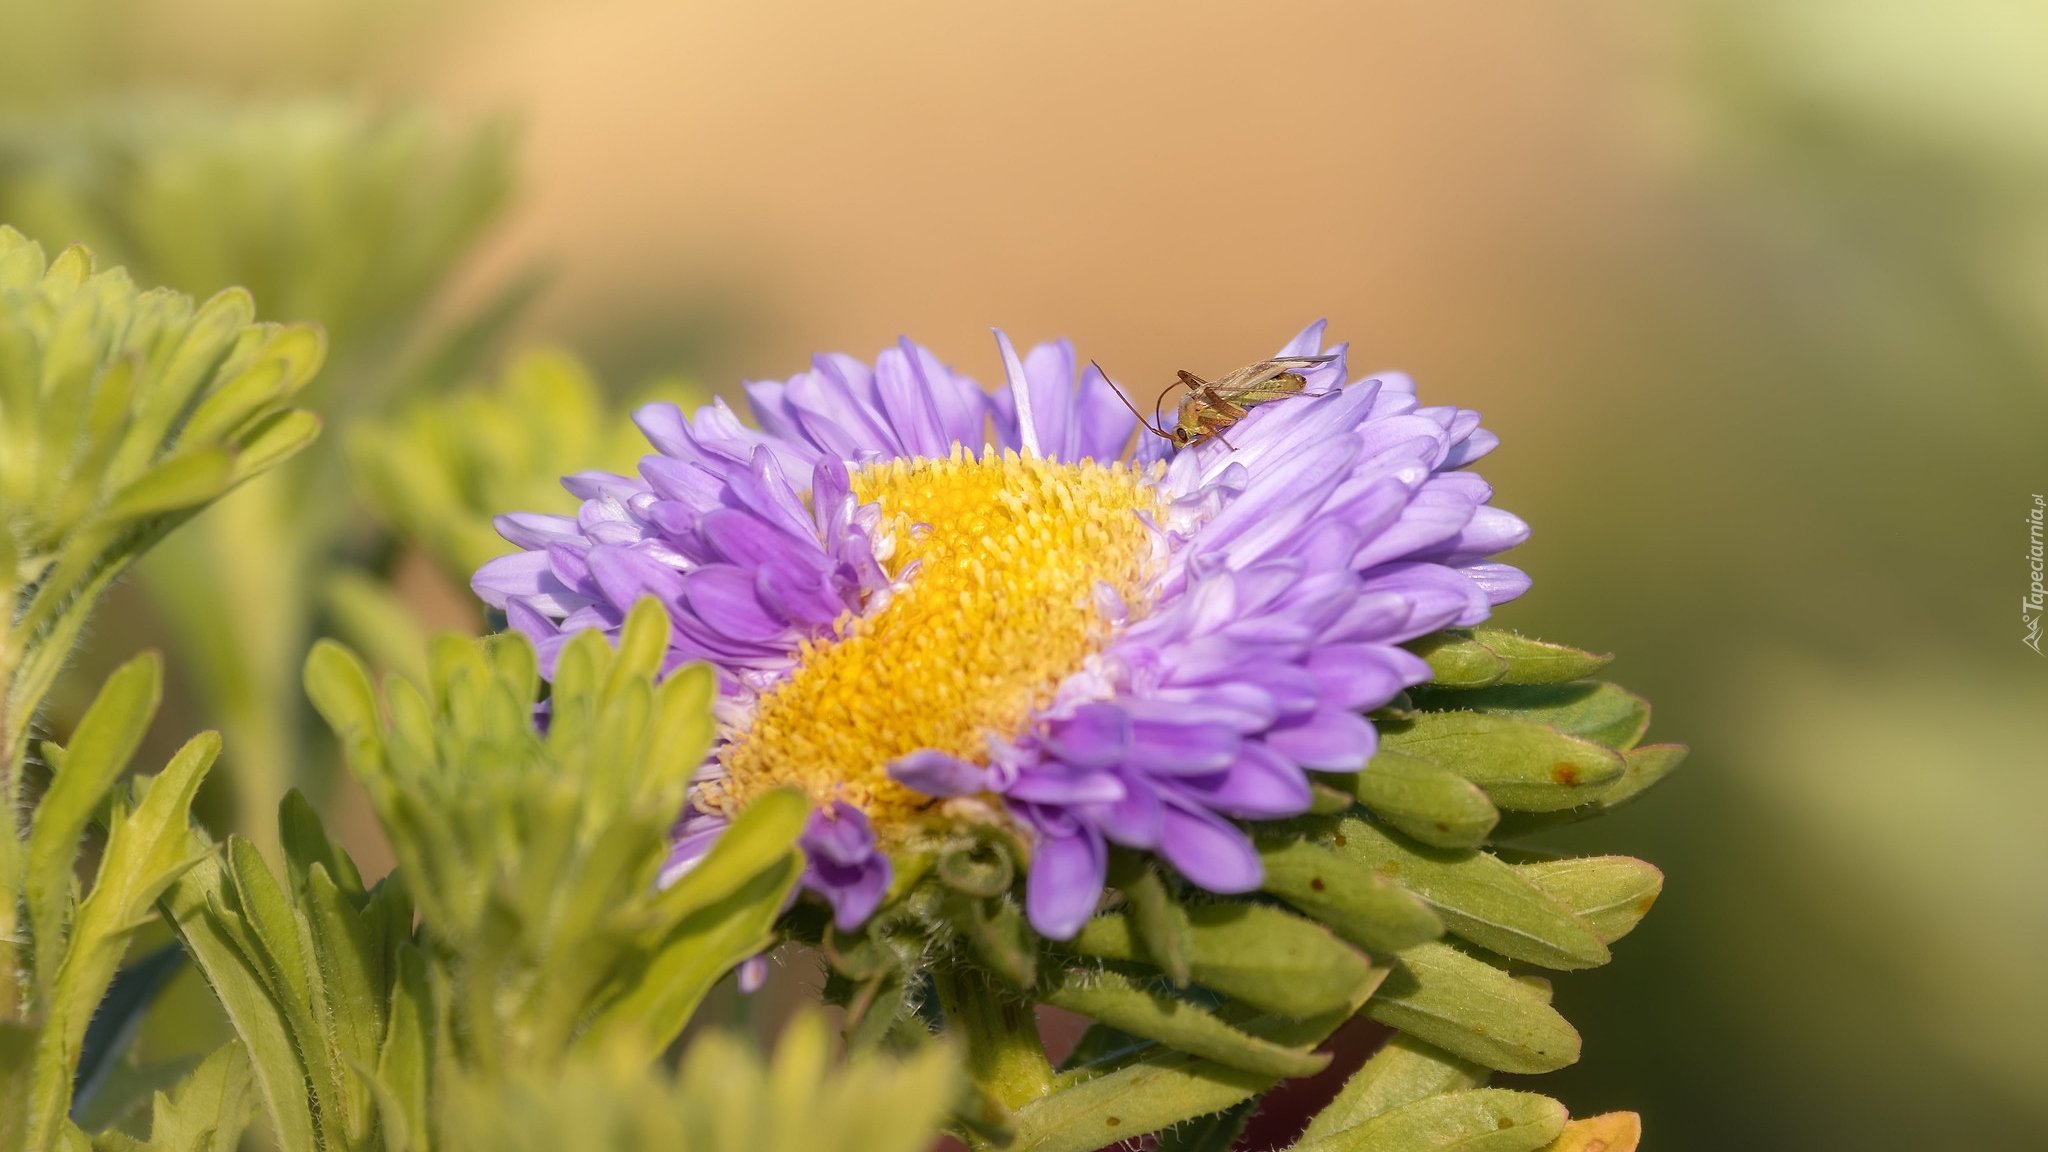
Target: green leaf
(184,481)
(1606,714)
(1610,893)
(1110,998)
(101,746)
(1647,766)
(1257,955)
(657,997)
(341,690)
(402,1059)
(1217,1132)
(1424,799)
(1479,1120)
(1456,660)
(1357,903)
(147,847)
(1479,898)
(1001,940)
(197,905)
(1158,1090)
(305,843)
(1520,765)
(1162,925)
(1401,1072)
(760,837)
(274,440)
(209,1111)
(1473,1010)
(1532,661)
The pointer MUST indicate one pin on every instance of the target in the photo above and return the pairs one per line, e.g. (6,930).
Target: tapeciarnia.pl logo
(2031,605)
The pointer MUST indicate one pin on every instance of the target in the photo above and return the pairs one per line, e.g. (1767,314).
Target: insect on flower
(1210,406)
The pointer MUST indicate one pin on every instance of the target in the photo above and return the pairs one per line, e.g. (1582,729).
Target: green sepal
(1607,714)
(999,937)
(1479,897)
(1474,1010)
(1115,1001)
(1520,765)
(1610,893)
(1161,925)
(1532,661)
(1424,799)
(1646,766)
(1353,900)
(1456,660)
(1476,1120)
(1403,1071)
(1162,1088)
(1256,955)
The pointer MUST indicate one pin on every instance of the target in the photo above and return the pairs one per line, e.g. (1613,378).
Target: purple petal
(626,576)
(1261,785)
(937,773)
(1181,747)
(909,405)
(1049,373)
(1208,851)
(1132,821)
(839,833)
(1328,740)
(724,597)
(1359,677)
(1066,882)
(1500,582)
(1055,783)
(1095,736)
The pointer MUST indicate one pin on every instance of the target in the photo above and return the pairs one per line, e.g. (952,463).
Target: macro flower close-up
(932,606)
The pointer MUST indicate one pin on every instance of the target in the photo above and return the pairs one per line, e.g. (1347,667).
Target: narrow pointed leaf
(1357,903)
(1479,1120)
(1532,661)
(1606,714)
(1520,765)
(1473,1010)
(1424,799)
(1403,1071)
(1117,1002)
(1610,893)
(1479,898)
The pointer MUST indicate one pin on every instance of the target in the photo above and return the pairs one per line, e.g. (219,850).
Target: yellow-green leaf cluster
(122,413)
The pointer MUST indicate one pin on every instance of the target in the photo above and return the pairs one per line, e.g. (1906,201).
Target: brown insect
(1210,406)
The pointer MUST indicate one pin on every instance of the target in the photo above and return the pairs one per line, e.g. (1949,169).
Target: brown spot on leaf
(1339,840)
(1504,1123)
(1565,774)
(1113,1121)
(1316,882)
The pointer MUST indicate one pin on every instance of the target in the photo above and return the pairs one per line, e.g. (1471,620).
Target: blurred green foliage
(350,216)
(1824,484)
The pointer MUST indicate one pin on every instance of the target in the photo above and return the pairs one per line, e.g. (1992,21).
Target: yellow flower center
(1001,607)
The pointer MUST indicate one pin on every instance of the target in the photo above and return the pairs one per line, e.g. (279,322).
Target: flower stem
(1005,1057)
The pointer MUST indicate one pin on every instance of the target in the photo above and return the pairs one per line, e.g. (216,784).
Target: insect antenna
(1127,403)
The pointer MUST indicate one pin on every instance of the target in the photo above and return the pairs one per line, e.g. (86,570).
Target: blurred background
(1755,293)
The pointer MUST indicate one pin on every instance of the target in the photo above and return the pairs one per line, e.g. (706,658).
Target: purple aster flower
(930,605)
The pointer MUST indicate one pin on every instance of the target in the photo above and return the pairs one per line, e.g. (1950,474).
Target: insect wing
(1266,380)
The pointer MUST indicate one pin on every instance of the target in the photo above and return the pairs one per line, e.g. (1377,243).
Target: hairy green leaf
(1473,1010)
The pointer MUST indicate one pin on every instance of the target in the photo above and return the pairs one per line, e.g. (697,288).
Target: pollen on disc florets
(997,561)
